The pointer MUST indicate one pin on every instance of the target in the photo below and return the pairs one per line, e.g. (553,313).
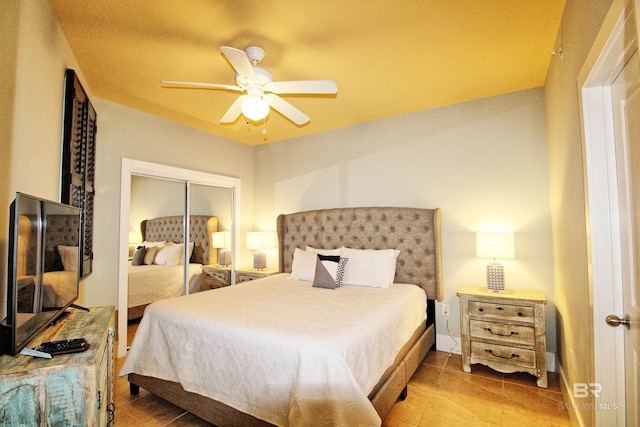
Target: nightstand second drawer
(512,334)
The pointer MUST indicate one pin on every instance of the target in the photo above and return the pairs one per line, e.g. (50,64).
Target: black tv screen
(42,274)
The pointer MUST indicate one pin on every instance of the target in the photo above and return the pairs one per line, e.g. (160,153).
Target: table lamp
(222,241)
(260,241)
(496,245)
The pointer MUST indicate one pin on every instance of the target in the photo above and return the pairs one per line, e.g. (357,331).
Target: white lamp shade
(255,108)
(221,239)
(496,245)
(135,237)
(260,240)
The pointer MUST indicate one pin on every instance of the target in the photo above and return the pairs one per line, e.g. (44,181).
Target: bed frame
(415,232)
(171,229)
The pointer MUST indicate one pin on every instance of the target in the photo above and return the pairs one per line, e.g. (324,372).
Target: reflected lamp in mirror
(135,239)
(222,241)
(496,245)
(261,241)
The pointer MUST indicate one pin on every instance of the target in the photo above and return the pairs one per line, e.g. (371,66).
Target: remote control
(73,345)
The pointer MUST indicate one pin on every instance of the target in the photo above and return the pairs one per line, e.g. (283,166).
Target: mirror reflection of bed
(156,270)
(59,280)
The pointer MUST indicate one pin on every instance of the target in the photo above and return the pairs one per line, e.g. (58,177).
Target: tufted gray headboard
(171,229)
(61,230)
(415,232)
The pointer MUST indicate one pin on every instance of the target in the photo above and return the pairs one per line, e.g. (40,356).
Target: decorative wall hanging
(78,161)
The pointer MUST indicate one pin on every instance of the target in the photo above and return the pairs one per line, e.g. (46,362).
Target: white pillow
(369,267)
(147,244)
(169,255)
(304,265)
(324,251)
(69,256)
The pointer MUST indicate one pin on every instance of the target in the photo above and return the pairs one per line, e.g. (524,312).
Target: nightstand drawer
(511,334)
(222,276)
(503,354)
(501,311)
(247,275)
(213,279)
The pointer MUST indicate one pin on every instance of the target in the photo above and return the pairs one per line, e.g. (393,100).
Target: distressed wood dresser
(72,390)
(504,330)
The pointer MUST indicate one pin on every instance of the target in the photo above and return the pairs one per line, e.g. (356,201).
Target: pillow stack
(334,267)
(160,253)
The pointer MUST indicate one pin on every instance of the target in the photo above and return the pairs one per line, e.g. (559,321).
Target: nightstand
(504,330)
(248,274)
(215,276)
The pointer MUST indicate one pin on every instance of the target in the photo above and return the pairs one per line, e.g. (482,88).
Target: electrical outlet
(445,310)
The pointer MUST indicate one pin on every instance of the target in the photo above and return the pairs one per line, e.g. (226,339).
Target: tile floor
(440,394)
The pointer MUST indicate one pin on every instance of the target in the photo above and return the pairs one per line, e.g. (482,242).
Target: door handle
(614,321)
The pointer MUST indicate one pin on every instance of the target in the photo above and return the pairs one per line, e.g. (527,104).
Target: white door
(625,93)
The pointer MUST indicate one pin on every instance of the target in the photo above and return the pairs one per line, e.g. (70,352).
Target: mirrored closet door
(160,260)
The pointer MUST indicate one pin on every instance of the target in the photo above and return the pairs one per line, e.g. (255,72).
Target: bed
(153,282)
(323,376)
(60,277)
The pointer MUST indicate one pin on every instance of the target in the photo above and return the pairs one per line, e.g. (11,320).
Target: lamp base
(259,260)
(495,276)
(224,257)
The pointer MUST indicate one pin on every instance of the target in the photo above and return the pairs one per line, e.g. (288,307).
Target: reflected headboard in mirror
(171,229)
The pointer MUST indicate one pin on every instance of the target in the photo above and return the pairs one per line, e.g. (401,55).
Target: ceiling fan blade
(303,87)
(199,85)
(286,109)
(234,111)
(239,61)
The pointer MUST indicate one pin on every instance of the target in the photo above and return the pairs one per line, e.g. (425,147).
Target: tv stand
(79,307)
(68,389)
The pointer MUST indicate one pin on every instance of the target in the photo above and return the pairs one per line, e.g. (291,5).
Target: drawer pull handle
(499,308)
(510,334)
(513,355)
(481,309)
(520,314)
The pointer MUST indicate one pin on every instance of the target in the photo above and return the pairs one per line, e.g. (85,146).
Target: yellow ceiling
(387,57)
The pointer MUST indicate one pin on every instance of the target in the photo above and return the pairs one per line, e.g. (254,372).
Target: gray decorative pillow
(329,271)
(138,256)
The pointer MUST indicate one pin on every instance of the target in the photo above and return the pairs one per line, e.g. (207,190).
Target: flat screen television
(42,274)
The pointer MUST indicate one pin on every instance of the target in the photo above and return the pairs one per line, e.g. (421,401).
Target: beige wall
(9,17)
(484,163)
(581,23)
(31,126)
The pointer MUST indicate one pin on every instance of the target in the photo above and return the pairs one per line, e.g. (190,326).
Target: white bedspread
(149,283)
(279,349)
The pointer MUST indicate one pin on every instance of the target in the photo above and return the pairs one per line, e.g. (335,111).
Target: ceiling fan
(260,92)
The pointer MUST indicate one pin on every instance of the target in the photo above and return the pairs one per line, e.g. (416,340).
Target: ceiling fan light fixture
(255,108)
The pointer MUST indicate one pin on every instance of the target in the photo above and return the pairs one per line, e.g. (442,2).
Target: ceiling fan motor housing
(255,54)
(264,77)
